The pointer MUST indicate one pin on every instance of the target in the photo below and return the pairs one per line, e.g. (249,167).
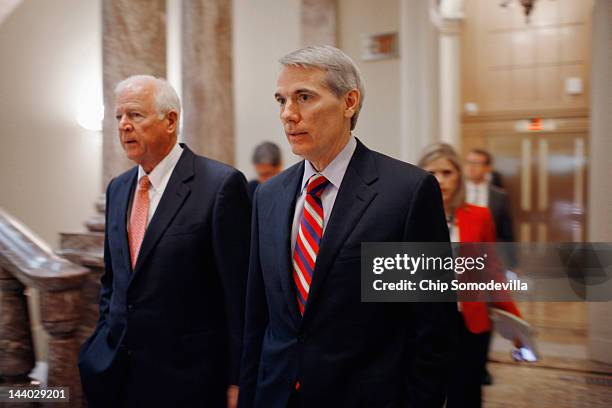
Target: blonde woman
(466,223)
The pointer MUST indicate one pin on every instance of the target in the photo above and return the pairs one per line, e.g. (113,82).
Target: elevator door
(545,177)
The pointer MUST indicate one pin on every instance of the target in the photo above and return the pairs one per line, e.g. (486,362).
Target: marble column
(208,108)
(133,42)
(451,15)
(600,172)
(319,22)
(418,79)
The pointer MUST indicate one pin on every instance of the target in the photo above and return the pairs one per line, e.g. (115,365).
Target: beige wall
(50,166)
(379,123)
(264,31)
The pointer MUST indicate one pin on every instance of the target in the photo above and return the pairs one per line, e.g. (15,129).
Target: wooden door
(545,177)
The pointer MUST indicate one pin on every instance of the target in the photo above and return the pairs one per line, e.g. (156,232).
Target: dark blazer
(344,353)
(496,179)
(499,205)
(170,331)
(251,187)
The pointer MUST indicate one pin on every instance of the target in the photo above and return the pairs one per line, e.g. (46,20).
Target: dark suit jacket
(170,331)
(252,186)
(344,353)
(496,179)
(499,205)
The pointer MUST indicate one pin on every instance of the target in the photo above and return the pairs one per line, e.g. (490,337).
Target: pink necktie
(138,218)
(309,235)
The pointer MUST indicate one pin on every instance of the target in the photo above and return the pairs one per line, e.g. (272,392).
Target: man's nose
(290,112)
(124,124)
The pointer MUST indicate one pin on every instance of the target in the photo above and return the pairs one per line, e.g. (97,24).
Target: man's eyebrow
(297,91)
(304,90)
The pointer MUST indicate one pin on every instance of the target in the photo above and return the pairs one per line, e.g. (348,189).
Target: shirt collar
(334,172)
(472,185)
(159,172)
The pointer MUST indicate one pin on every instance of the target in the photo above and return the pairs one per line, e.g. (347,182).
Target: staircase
(27,262)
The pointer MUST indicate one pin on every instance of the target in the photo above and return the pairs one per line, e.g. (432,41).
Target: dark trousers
(465,389)
(294,400)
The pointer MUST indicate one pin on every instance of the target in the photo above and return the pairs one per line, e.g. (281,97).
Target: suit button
(130,308)
(300,339)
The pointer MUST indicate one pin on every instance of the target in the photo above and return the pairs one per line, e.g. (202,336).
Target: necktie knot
(144,183)
(316,185)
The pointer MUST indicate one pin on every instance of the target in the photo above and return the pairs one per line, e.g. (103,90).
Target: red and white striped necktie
(309,235)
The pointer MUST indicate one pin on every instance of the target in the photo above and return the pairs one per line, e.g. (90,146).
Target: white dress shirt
(334,172)
(477,194)
(453,229)
(158,177)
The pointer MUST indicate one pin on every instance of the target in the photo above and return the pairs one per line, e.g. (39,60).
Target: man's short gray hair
(342,73)
(166,98)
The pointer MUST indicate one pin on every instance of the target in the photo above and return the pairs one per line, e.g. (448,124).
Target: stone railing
(87,249)
(26,261)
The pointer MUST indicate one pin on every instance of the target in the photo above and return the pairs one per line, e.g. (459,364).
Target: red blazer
(476,225)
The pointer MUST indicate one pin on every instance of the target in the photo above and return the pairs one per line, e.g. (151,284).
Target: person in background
(268,163)
(482,193)
(483,189)
(466,223)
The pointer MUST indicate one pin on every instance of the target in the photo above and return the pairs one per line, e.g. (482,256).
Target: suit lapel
(282,212)
(171,201)
(125,194)
(354,196)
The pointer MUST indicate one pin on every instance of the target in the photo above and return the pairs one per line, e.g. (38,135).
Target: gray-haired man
(309,341)
(176,255)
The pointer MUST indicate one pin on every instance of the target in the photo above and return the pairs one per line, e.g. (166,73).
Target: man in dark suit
(480,192)
(499,205)
(176,259)
(309,340)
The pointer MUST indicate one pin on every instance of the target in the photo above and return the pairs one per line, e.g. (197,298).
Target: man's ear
(351,101)
(172,118)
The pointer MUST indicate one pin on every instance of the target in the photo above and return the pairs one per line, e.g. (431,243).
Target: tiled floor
(563,378)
